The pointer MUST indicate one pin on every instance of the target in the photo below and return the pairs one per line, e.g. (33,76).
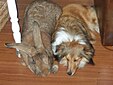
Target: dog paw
(55,68)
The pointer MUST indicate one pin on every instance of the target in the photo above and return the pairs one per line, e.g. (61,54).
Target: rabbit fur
(35,49)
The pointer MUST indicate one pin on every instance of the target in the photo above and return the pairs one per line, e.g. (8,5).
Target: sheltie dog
(75,33)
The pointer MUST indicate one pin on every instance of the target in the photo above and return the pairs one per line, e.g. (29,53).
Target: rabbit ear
(25,48)
(37,36)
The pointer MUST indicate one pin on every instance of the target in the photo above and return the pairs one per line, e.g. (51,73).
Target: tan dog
(74,35)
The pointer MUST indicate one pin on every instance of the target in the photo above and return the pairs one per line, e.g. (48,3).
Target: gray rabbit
(39,24)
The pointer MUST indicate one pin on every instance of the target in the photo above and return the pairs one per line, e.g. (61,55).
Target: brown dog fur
(75,33)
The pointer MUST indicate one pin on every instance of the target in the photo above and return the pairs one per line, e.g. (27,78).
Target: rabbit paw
(18,53)
(54,68)
(23,63)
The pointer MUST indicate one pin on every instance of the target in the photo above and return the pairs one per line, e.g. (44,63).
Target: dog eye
(67,59)
(75,60)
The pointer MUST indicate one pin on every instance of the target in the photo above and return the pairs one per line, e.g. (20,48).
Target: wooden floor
(13,73)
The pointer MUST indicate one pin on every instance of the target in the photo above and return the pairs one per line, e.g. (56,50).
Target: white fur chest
(63,36)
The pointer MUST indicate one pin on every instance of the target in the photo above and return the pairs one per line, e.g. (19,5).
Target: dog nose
(69,73)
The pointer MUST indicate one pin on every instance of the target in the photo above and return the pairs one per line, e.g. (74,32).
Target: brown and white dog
(75,33)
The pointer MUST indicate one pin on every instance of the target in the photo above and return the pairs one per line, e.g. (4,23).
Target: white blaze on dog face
(72,63)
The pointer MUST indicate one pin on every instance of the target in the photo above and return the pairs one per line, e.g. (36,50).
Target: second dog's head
(74,56)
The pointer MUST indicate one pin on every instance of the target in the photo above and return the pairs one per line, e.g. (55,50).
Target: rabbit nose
(45,73)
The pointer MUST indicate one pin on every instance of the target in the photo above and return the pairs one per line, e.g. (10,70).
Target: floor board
(13,73)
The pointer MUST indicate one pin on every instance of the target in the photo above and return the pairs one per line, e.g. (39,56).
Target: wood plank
(13,73)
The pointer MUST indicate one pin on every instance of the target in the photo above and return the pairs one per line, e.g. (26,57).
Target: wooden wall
(105,15)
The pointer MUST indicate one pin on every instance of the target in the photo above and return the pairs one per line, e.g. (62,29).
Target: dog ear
(91,62)
(89,51)
(25,48)
(60,48)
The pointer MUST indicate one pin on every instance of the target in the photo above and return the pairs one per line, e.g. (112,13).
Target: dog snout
(69,73)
